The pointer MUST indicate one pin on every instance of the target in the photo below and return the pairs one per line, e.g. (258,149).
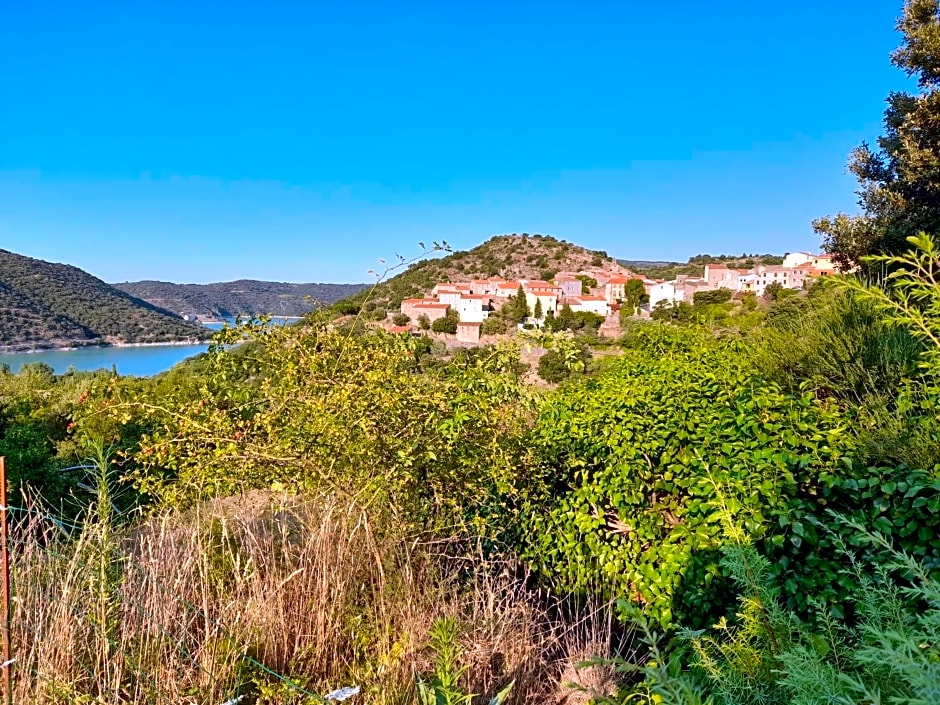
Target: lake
(140,362)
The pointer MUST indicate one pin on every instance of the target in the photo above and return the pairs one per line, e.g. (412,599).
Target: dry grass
(210,605)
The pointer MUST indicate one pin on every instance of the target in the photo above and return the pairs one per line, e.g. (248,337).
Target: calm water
(140,362)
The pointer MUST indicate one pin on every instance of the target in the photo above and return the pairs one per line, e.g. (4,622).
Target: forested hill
(696,265)
(509,256)
(245,297)
(46,305)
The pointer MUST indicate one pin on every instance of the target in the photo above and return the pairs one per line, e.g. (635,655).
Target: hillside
(508,256)
(46,305)
(695,267)
(245,297)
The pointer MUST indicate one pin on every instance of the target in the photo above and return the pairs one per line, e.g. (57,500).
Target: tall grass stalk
(270,598)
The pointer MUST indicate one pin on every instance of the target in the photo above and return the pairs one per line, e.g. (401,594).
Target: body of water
(140,362)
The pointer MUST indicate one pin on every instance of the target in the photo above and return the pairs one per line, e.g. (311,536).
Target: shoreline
(105,346)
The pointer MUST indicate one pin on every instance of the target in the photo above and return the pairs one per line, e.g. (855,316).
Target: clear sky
(300,141)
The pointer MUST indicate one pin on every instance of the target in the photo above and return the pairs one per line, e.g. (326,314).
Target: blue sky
(302,141)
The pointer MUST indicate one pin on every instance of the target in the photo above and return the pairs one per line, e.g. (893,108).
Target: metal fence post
(7,666)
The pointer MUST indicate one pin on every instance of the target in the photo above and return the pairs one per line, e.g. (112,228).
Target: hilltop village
(602,291)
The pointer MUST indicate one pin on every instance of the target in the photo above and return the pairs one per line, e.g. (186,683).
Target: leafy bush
(630,462)
(315,410)
(447,323)
(401,319)
(769,657)
(493,325)
(715,296)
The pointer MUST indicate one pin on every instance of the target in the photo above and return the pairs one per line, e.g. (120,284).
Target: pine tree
(899,182)
(537,311)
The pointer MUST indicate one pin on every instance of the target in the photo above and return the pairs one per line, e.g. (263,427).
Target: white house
(591,304)
(472,308)
(797,259)
(547,297)
(665,291)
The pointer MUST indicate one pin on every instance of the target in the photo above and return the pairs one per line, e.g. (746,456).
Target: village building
(613,288)
(720,276)
(548,298)
(432,309)
(665,291)
(569,285)
(589,303)
(506,289)
(468,332)
(473,308)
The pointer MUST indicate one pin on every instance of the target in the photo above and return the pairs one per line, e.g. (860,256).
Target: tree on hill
(424,323)
(899,181)
(634,293)
(537,310)
(447,323)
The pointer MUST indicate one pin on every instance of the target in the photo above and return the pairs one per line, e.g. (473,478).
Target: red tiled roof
(431,304)
(400,329)
(593,298)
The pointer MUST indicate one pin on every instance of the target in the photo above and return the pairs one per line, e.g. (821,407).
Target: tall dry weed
(271,598)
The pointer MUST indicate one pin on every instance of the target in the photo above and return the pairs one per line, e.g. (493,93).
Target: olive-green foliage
(561,363)
(714,296)
(634,294)
(446,323)
(769,657)
(316,410)
(424,323)
(493,325)
(575,321)
(632,461)
(36,432)
(840,345)
(677,311)
(245,297)
(401,319)
(587,282)
(773,291)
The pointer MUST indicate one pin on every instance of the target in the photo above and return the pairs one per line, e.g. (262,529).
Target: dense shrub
(493,325)
(714,296)
(638,464)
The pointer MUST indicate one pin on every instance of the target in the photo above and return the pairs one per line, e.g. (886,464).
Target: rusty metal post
(7,665)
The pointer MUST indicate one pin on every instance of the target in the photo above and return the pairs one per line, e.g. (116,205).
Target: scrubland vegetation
(319,507)
(742,505)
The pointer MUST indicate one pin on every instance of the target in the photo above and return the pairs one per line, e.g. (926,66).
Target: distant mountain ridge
(244,297)
(48,305)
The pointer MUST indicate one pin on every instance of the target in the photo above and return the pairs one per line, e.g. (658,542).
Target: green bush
(632,460)
(493,325)
(447,323)
(401,319)
(715,296)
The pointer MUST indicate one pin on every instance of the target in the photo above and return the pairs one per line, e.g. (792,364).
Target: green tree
(634,293)
(517,308)
(447,323)
(773,291)
(537,311)
(401,319)
(493,325)
(424,322)
(899,188)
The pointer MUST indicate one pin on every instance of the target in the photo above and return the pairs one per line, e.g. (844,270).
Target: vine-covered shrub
(639,465)
(312,409)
